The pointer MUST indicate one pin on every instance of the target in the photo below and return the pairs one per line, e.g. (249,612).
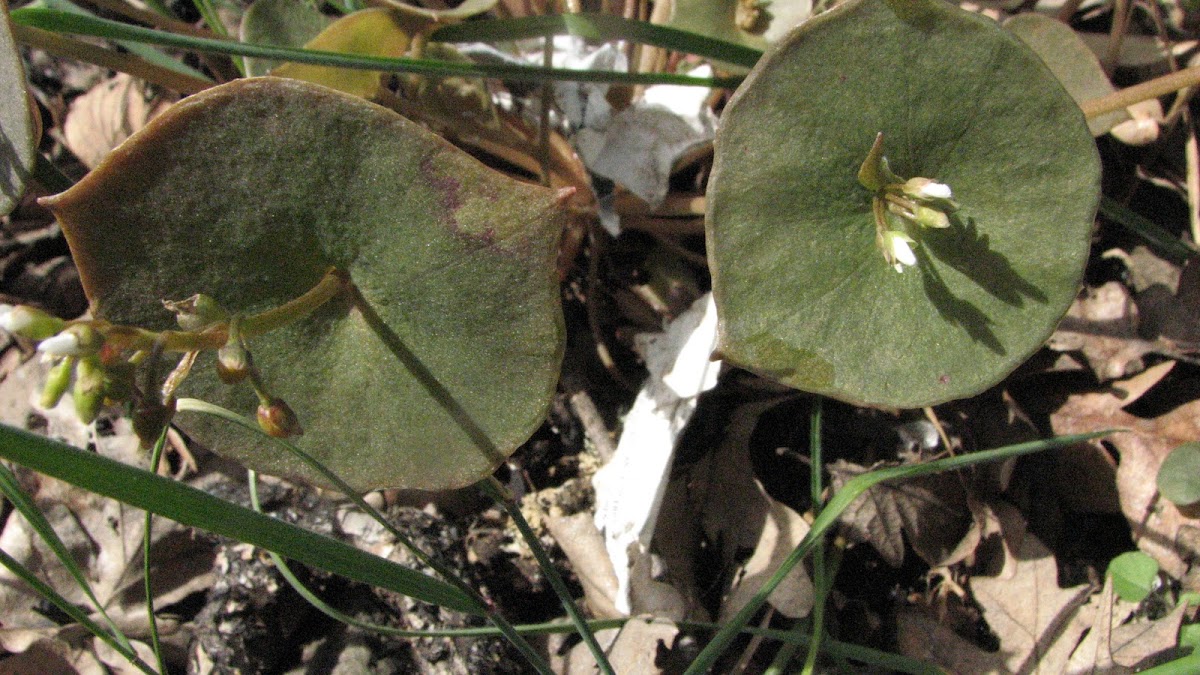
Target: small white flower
(66,343)
(924,188)
(9,322)
(897,250)
(934,190)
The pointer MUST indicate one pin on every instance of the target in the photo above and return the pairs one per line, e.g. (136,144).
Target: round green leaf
(282,23)
(1134,575)
(804,293)
(753,23)
(1071,61)
(17,144)
(250,191)
(1179,475)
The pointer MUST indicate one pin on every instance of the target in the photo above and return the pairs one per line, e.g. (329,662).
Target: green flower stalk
(902,207)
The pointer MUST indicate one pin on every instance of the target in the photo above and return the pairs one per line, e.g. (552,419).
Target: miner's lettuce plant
(899,213)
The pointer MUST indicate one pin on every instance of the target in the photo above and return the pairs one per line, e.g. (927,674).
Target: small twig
(1159,86)
(594,427)
(126,63)
(941,431)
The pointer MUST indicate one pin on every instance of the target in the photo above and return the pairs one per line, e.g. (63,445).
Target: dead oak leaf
(932,512)
(1159,527)
(1038,623)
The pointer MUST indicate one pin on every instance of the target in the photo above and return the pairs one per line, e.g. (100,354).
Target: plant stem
(492,488)
(58,45)
(147,540)
(1159,86)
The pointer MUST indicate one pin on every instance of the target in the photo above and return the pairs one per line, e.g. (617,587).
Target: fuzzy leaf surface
(250,191)
(804,293)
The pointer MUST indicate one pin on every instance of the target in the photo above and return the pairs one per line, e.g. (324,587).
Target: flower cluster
(902,207)
(102,363)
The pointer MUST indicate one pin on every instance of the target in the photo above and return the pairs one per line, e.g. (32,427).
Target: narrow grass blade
(72,611)
(502,624)
(492,488)
(61,22)
(1160,240)
(37,520)
(599,27)
(850,492)
(195,508)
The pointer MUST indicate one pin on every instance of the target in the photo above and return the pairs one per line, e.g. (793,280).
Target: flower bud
(277,419)
(57,382)
(233,359)
(196,312)
(29,322)
(897,249)
(930,217)
(88,394)
(927,190)
(78,339)
(233,363)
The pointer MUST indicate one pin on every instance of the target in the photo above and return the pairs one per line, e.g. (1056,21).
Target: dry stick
(154,19)
(107,58)
(1122,10)
(1159,86)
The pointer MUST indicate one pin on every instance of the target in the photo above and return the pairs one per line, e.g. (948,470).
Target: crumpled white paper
(638,146)
(629,489)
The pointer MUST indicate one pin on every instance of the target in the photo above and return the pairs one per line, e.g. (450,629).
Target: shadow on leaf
(428,380)
(955,310)
(963,248)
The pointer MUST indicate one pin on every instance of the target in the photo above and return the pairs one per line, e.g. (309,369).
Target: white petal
(9,322)
(63,344)
(901,251)
(932,190)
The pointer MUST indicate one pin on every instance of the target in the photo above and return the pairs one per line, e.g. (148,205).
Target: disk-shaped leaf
(1179,475)
(371,32)
(752,23)
(17,143)
(250,191)
(1071,61)
(283,23)
(804,293)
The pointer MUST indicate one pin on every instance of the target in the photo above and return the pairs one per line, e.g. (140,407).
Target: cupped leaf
(804,292)
(753,23)
(250,191)
(1179,475)
(1134,575)
(282,23)
(1071,61)
(17,143)
(371,32)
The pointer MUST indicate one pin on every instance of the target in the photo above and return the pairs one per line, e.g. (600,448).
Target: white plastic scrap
(629,489)
(639,145)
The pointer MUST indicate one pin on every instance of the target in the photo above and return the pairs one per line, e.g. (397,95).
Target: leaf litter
(963,570)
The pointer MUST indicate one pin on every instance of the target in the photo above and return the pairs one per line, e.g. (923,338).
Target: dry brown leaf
(1038,623)
(637,647)
(932,512)
(1135,642)
(921,637)
(1103,324)
(1174,314)
(583,545)
(107,114)
(781,533)
(733,506)
(49,657)
(1159,527)
(104,535)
